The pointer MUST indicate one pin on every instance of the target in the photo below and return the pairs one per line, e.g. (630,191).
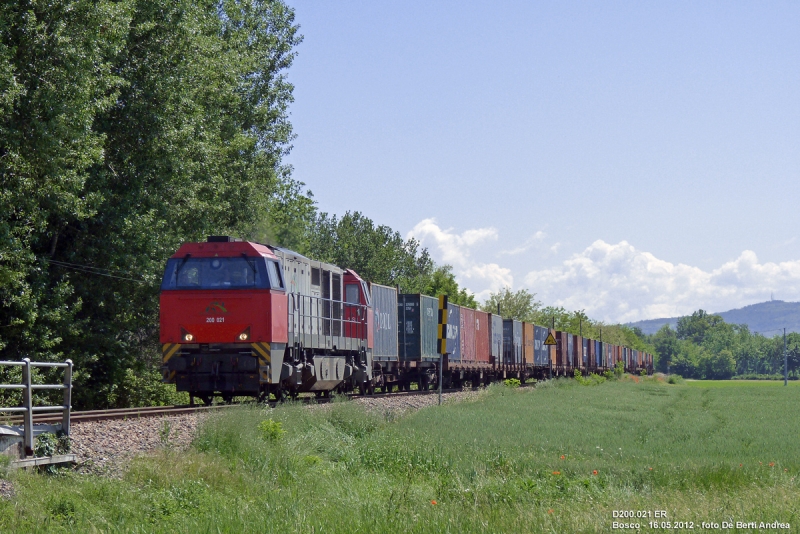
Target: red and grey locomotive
(240,318)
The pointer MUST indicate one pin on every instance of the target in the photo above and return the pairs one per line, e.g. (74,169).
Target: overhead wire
(92,270)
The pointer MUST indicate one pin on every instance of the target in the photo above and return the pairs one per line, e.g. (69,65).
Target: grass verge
(557,458)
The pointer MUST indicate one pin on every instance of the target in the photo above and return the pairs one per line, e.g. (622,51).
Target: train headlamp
(244,336)
(186,337)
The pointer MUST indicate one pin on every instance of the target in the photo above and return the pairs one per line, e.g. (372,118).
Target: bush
(592,380)
(145,388)
(619,369)
(271,430)
(675,379)
(512,383)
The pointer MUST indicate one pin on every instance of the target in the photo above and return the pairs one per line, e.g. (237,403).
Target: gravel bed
(104,447)
(402,404)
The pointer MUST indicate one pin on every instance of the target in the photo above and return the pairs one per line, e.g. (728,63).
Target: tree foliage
(381,255)
(126,128)
(705,346)
(520,305)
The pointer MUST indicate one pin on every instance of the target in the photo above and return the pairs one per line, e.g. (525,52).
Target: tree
(718,366)
(127,128)
(696,326)
(443,282)
(520,305)
(666,346)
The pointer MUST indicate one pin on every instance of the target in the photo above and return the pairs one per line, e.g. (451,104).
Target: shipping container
(483,337)
(467,335)
(577,351)
(512,341)
(541,351)
(496,336)
(570,349)
(586,347)
(384,308)
(417,326)
(561,349)
(454,332)
(527,343)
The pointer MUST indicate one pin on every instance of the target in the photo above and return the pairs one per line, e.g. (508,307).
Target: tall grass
(560,457)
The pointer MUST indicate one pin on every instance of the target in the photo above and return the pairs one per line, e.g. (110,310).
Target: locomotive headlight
(244,336)
(186,336)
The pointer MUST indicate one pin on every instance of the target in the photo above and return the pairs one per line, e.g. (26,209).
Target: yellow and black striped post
(441,343)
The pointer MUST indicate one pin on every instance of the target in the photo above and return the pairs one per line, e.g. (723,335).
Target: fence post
(27,402)
(67,397)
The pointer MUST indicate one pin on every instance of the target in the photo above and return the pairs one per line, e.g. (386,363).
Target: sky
(632,159)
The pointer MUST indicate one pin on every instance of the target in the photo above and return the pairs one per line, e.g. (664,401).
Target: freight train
(244,319)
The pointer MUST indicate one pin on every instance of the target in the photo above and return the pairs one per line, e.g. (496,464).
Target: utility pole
(785,361)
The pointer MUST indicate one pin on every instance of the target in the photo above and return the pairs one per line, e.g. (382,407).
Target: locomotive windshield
(220,273)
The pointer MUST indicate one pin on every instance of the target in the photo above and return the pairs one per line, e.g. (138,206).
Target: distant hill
(768,318)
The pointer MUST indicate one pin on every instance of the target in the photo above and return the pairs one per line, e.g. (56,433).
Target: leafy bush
(271,430)
(675,379)
(619,369)
(512,382)
(592,380)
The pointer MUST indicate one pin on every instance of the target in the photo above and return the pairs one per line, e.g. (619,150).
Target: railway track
(160,411)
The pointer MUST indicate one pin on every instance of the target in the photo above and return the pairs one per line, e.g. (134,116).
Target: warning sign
(550,340)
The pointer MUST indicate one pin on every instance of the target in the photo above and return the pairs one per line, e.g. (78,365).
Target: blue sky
(633,159)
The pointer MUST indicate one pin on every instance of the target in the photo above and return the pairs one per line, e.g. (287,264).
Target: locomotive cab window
(352,294)
(216,273)
(274,274)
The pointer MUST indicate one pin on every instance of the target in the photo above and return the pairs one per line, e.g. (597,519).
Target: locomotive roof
(232,248)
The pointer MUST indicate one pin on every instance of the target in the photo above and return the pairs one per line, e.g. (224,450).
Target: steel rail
(160,411)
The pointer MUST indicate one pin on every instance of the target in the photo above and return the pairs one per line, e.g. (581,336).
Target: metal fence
(28,409)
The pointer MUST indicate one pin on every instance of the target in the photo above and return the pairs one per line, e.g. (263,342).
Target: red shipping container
(468,335)
(577,343)
(527,343)
(482,337)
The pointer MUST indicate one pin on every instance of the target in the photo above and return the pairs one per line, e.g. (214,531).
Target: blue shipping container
(541,352)
(512,341)
(454,333)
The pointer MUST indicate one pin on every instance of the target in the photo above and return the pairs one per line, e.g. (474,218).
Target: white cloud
(531,241)
(454,249)
(620,283)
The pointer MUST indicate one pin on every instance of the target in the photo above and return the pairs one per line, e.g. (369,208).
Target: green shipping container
(417,323)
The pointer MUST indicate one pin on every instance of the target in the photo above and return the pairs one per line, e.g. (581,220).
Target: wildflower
(556,472)
(434,502)
(594,472)
(550,511)
(651,469)
(772,464)
(740,465)
(562,456)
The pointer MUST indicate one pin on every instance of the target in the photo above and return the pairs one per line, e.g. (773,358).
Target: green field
(558,458)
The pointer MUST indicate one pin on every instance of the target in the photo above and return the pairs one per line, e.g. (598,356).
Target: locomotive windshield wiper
(252,265)
(183,262)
